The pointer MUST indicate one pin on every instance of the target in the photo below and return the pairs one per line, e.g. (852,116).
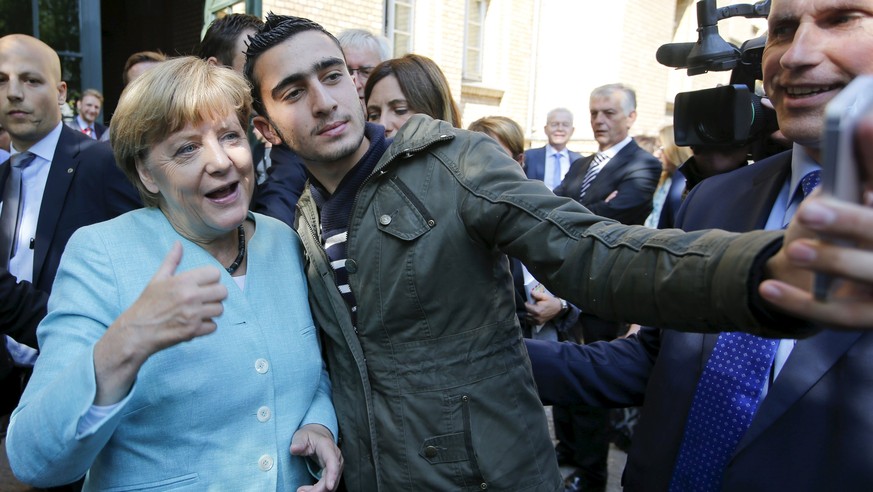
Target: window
(59,24)
(474,39)
(398,25)
(216,9)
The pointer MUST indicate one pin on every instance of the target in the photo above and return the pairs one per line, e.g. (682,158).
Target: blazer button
(385,220)
(265,462)
(264,414)
(351,266)
(430,452)
(262,366)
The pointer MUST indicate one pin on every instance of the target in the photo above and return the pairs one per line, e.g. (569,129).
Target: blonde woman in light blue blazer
(179,351)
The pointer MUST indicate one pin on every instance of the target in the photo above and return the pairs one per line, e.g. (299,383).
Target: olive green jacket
(433,389)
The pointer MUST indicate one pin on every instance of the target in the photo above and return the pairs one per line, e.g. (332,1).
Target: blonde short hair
(173,94)
(504,129)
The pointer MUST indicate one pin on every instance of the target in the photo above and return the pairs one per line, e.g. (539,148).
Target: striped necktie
(593,169)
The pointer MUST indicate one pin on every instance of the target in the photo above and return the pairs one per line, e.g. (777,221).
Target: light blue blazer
(214,413)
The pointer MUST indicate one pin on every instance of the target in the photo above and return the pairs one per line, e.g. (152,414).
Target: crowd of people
(290,268)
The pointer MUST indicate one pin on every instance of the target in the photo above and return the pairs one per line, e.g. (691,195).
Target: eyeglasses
(560,124)
(362,71)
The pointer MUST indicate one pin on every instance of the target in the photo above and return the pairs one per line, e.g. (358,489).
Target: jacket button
(351,266)
(265,463)
(385,220)
(430,452)
(483,485)
(264,414)
(431,223)
(262,366)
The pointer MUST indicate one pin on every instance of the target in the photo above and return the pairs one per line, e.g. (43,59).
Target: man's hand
(791,270)
(546,308)
(316,440)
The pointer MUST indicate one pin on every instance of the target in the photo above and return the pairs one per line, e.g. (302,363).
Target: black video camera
(723,116)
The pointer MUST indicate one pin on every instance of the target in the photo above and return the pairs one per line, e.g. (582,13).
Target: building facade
(516,58)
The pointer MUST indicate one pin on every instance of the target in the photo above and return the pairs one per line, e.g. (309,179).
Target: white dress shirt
(33,180)
(549,169)
(780,215)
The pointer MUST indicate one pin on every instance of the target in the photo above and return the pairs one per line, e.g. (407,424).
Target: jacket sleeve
(42,443)
(617,272)
(633,201)
(22,307)
(610,374)
(277,196)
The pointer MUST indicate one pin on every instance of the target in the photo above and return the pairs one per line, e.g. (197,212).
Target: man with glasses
(551,162)
(363,51)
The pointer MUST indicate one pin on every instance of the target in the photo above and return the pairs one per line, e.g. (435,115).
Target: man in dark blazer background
(813,428)
(551,162)
(616,182)
(622,185)
(71,181)
(89,106)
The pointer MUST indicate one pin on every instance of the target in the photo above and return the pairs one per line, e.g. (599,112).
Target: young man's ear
(264,126)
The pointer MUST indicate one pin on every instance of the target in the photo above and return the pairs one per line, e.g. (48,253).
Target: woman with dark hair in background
(401,87)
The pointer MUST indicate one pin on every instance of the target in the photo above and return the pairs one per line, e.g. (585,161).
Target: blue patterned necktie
(593,170)
(557,176)
(725,402)
(810,182)
(11,214)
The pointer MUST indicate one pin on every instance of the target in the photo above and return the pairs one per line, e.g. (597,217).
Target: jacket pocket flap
(399,212)
(447,448)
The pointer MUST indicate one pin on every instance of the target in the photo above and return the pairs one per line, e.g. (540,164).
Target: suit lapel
(759,196)
(613,166)
(63,168)
(810,360)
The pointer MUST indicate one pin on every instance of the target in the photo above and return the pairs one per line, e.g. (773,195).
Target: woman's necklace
(242,251)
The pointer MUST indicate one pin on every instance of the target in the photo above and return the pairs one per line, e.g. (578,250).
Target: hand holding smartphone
(841,174)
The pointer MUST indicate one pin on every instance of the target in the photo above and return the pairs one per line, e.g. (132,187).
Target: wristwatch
(564,306)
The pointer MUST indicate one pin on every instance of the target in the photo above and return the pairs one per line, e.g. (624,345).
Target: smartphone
(841,175)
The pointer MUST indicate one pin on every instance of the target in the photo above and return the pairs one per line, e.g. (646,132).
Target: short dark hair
(221,36)
(277,29)
(139,57)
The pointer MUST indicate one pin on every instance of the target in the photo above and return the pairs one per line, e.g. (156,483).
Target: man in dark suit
(621,183)
(616,182)
(68,180)
(809,425)
(551,162)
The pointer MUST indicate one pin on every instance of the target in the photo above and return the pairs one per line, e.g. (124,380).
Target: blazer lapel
(63,168)
(807,364)
(759,196)
(539,164)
